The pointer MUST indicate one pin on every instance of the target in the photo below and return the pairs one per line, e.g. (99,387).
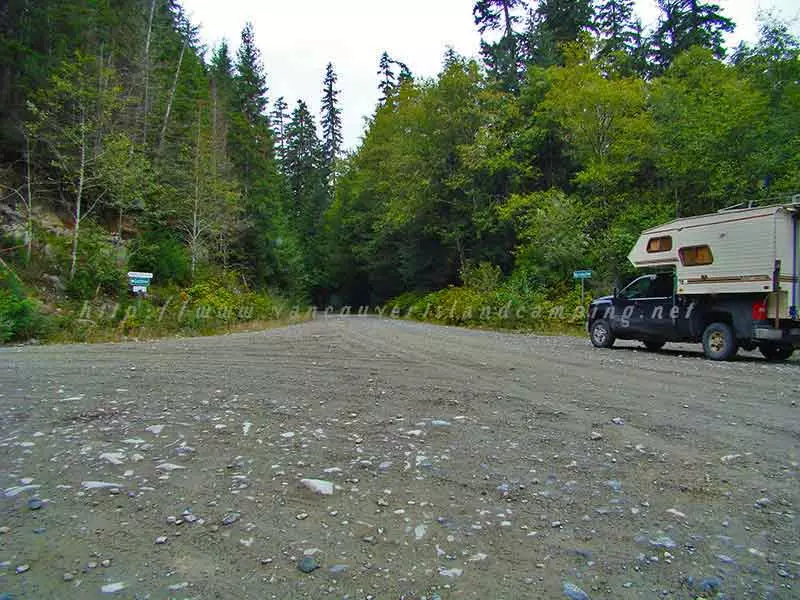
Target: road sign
(139,281)
(585,274)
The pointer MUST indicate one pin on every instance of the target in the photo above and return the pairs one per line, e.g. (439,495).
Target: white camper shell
(733,251)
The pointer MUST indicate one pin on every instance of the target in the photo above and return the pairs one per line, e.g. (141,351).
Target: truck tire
(719,341)
(600,334)
(776,352)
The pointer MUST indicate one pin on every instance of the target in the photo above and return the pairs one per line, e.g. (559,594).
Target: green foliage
(502,307)
(159,252)
(19,317)
(99,268)
(482,277)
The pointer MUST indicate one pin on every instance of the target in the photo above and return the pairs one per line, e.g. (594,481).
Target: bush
(483,277)
(98,270)
(162,254)
(19,317)
(505,306)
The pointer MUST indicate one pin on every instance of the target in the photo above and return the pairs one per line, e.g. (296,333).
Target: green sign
(582,274)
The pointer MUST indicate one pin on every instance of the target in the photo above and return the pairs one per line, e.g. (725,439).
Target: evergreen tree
(387,82)
(502,57)
(331,120)
(305,171)
(565,19)
(614,22)
(687,23)
(279,118)
(251,80)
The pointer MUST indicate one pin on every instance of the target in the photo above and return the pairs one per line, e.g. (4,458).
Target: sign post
(139,282)
(583,275)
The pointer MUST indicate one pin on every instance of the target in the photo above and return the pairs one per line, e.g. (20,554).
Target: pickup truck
(728,280)
(649,310)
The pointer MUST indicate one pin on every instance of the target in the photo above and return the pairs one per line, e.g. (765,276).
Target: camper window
(660,244)
(692,256)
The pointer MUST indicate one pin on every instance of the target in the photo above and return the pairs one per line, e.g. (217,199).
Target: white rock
(419,531)
(728,458)
(318,486)
(246,427)
(112,588)
(450,572)
(676,513)
(155,429)
(178,586)
(115,458)
(95,485)
(477,557)
(595,435)
(17,490)
(169,467)
(287,434)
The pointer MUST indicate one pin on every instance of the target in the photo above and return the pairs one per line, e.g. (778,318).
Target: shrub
(19,318)
(483,277)
(98,268)
(162,254)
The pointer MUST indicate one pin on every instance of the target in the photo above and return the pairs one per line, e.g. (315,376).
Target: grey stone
(573,592)
(230,518)
(307,564)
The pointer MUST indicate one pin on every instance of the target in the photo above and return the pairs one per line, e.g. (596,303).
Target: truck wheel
(654,346)
(601,335)
(776,352)
(719,341)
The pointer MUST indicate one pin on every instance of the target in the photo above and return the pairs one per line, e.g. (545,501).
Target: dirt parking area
(366,458)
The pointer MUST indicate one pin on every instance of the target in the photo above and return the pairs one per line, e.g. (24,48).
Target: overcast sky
(298,40)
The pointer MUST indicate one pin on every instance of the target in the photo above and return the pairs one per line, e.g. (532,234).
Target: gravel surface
(365,458)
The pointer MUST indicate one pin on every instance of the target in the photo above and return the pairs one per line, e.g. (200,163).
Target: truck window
(639,288)
(664,285)
(659,244)
(692,256)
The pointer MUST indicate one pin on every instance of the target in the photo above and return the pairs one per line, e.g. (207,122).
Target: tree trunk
(171,97)
(146,107)
(195,213)
(79,197)
(28,199)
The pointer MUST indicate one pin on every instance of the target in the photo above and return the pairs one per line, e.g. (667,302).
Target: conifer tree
(331,121)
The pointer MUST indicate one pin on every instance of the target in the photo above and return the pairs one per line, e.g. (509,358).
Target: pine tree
(502,58)
(305,171)
(251,80)
(687,23)
(404,74)
(251,138)
(279,118)
(565,19)
(331,121)
(615,23)
(387,83)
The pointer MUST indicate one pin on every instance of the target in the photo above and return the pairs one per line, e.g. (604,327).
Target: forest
(126,144)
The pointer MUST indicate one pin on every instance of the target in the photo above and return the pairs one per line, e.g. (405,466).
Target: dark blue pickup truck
(649,310)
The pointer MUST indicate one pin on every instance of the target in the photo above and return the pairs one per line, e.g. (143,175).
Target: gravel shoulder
(464,464)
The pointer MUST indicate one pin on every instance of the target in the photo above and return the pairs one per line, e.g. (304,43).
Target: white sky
(298,40)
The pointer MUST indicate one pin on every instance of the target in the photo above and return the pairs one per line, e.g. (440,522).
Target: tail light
(760,310)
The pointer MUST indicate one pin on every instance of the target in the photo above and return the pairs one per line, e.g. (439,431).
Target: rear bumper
(787,334)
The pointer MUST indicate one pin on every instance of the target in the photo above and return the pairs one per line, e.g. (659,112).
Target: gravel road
(453,464)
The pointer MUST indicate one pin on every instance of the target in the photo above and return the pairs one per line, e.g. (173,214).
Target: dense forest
(574,129)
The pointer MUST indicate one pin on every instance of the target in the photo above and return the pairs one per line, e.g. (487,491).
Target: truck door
(655,312)
(627,321)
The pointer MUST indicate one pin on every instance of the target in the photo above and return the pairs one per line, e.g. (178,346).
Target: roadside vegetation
(125,144)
